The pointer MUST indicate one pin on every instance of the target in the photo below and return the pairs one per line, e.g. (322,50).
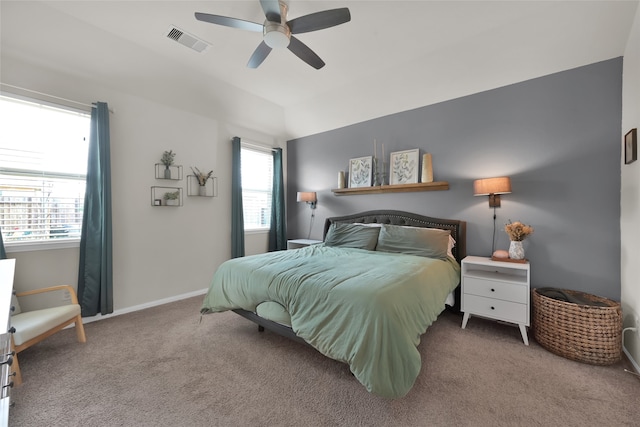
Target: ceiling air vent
(187,39)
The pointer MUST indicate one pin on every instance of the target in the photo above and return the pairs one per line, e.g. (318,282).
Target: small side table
(496,290)
(301,243)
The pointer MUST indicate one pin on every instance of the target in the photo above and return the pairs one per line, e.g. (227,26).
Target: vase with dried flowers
(517,232)
(202,180)
(167,160)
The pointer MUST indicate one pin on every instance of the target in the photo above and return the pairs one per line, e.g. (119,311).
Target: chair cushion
(30,324)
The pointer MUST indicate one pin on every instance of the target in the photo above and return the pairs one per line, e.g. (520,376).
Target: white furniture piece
(301,243)
(496,290)
(7,269)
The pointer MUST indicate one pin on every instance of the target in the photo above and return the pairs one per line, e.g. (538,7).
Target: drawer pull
(8,361)
(493,290)
(493,308)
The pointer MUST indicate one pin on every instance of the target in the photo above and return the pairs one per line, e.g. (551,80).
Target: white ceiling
(392,56)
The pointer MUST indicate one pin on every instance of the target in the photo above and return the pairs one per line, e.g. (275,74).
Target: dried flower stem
(517,231)
(201,177)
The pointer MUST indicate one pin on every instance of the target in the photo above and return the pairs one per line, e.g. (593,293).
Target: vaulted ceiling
(392,56)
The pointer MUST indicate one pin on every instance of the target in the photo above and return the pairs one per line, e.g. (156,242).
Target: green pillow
(426,242)
(346,235)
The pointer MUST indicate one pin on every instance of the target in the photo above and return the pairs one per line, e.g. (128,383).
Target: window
(43,162)
(257,181)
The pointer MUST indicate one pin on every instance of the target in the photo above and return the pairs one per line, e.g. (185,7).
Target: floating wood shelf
(401,188)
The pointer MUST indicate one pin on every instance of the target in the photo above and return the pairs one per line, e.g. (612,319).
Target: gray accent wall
(558,138)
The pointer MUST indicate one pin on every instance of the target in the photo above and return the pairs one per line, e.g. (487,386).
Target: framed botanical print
(631,146)
(404,167)
(360,172)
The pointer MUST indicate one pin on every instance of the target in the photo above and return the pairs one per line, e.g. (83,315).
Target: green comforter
(364,308)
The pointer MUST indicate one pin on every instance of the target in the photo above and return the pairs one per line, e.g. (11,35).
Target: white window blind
(43,160)
(257,181)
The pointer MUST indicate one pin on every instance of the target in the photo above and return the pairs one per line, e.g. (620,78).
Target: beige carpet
(161,367)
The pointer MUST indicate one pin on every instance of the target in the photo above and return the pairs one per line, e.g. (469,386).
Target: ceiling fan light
(276,35)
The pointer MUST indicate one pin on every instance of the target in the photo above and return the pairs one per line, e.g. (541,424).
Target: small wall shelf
(400,188)
(210,189)
(158,196)
(175,172)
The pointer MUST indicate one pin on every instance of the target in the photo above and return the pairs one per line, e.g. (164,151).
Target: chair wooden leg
(15,367)
(80,329)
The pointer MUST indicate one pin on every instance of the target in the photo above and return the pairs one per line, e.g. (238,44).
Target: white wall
(630,194)
(158,252)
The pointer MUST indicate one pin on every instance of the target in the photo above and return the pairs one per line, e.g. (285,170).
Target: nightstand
(496,290)
(301,243)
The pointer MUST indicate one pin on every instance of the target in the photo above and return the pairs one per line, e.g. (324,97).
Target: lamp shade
(499,185)
(307,196)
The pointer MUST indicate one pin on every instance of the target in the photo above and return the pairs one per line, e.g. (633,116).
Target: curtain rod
(257,146)
(52,96)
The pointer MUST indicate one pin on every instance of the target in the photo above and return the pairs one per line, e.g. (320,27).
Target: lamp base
(494,200)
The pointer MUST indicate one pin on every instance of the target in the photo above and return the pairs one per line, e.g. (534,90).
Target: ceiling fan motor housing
(276,35)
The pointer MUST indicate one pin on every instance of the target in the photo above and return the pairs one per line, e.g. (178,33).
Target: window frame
(44,245)
(263,149)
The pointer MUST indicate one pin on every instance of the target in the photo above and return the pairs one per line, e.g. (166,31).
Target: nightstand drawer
(496,290)
(496,309)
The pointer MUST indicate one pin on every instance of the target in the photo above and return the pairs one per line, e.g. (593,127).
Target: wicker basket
(586,333)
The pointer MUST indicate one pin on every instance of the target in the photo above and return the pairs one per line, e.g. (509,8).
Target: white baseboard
(143,306)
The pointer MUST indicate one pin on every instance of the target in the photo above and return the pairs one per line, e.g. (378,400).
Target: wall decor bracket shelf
(175,172)
(399,188)
(210,189)
(166,196)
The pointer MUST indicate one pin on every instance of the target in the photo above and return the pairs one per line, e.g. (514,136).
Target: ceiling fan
(278,32)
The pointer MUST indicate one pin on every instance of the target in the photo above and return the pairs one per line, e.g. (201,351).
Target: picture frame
(404,167)
(631,146)
(360,172)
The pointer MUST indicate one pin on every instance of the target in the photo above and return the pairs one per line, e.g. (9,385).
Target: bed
(363,297)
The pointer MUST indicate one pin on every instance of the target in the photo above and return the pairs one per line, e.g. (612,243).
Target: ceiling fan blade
(229,22)
(271,10)
(319,20)
(259,55)
(303,52)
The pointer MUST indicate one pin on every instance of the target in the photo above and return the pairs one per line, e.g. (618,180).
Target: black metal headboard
(458,228)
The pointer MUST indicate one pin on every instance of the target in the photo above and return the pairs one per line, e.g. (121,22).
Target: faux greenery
(201,177)
(175,195)
(168,157)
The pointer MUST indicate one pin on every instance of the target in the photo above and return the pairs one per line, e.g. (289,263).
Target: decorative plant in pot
(517,232)
(202,180)
(171,198)
(167,160)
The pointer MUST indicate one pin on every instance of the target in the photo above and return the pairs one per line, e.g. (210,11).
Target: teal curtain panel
(3,253)
(237,216)
(278,230)
(95,274)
